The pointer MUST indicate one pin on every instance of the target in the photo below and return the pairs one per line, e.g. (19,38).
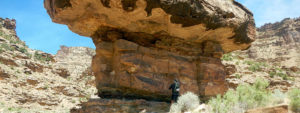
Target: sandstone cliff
(32,81)
(142,45)
(274,56)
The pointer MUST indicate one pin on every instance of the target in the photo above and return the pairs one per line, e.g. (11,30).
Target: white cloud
(266,11)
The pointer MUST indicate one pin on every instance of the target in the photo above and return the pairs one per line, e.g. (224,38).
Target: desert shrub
(238,76)
(294,97)
(23,50)
(12,109)
(5,46)
(243,98)
(187,102)
(28,55)
(255,66)
(1,51)
(278,97)
(40,57)
(15,41)
(8,37)
(248,62)
(1,33)
(272,74)
(227,57)
(175,108)
(83,99)
(279,72)
(237,63)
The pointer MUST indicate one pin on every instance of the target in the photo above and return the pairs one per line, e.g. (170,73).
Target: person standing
(175,91)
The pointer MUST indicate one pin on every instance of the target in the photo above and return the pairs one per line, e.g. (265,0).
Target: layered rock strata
(33,81)
(143,45)
(274,56)
(279,43)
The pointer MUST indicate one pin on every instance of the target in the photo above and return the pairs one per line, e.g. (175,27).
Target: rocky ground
(34,81)
(275,56)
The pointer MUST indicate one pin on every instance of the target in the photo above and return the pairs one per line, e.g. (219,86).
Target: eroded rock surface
(142,45)
(279,43)
(31,80)
(274,56)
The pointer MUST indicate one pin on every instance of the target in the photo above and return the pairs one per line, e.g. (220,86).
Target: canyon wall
(143,45)
(33,81)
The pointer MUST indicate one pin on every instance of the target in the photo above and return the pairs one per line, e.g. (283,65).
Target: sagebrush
(246,97)
(187,102)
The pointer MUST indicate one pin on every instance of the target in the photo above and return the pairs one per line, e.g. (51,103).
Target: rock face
(142,45)
(274,56)
(75,60)
(33,81)
(279,43)
(8,24)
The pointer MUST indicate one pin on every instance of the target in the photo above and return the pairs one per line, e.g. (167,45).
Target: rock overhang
(192,21)
(142,45)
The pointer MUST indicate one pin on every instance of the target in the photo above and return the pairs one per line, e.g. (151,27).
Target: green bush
(227,57)
(272,74)
(1,33)
(243,98)
(249,62)
(255,66)
(15,41)
(8,37)
(279,72)
(294,97)
(28,55)
(23,50)
(6,47)
(238,76)
(40,57)
(187,102)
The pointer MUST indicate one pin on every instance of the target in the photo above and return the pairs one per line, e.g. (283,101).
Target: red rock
(9,24)
(8,61)
(3,75)
(143,45)
(34,67)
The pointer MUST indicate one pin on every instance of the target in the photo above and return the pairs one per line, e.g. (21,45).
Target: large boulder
(143,45)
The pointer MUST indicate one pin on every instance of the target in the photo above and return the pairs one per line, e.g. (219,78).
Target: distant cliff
(274,56)
(35,81)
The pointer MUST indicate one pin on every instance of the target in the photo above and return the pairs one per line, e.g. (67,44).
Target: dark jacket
(174,92)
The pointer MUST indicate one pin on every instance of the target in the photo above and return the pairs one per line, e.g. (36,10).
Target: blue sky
(35,27)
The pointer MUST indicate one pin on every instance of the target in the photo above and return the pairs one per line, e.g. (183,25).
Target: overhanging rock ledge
(142,45)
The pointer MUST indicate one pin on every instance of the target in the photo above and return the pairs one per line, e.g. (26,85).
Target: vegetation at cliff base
(187,102)
(294,97)
(227,57)
(243,98)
